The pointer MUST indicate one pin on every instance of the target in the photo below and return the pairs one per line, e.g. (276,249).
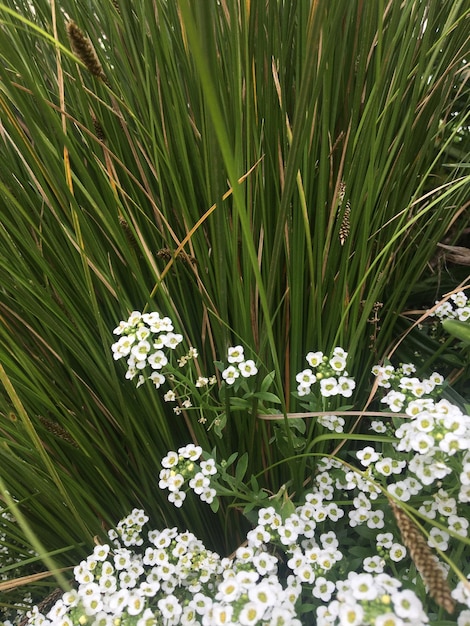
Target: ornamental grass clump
(275,179)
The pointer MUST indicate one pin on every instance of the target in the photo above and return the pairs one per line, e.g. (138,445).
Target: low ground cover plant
(377,536)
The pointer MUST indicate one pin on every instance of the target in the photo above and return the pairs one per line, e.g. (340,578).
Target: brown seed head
(424,560)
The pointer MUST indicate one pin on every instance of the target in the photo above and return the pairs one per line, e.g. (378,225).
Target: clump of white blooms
(457,308)
(145,339)
(337,558)
(376,599)
(289,567)
(328,372)
(238,365)
(403,386)
(183,470)
(432,438)
(173,579)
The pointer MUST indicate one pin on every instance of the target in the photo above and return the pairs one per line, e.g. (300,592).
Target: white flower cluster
(332,422)
(185,467)
(239,366)
(330,373)
(365,598)
(144,337)
(403,386)
(171,579)
(457,307)
(174,580)
(433,433)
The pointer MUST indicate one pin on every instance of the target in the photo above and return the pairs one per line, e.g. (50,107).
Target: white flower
(258,536)
(438,539)
(464,494)
(118,600)
(384,466)
(170,607)
(338,363)
(323,589)
(376,519)
(140,350)
(367,456)
(346,386)
(350,614)
(464,618)
(384,540)
(399,490)
(170,396)
(229,590)
(208,495)
(395,400)
(199,483)
(157,360)
(262,593)
(314,359)
(378,426)
(407,605)
(123,346)
(221,614)
(172,340)
(251,613)
(136,603)
(328,387)
(101,552)
(264,562)
(422,442)
(373,564)
(190,451)
(363,586)
(230,374)
(452,443)
(235,354)
(157,379)
(306,377)
(303,390)
(424,421)
(247,368)
(463,314)
(174,481)
(397,552)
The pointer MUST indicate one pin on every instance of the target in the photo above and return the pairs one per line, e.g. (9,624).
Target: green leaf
(267,381)
(266,396)
(458,329)
(242,466)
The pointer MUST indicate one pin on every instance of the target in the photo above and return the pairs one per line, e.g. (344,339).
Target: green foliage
(460,330)
(268,173)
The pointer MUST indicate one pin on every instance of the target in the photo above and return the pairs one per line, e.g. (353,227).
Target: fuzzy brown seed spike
(341,192)
(345,226)
(57,430)
(167,254)
(84,50)
(99,132)
(124,224)
(424,559)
